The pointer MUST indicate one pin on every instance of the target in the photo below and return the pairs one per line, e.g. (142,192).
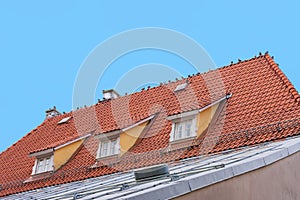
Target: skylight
(64,120)
(180,87)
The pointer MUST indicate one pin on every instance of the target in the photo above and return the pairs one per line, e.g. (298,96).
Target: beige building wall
(204,118)
(281,181)
(62,155)
(129,137)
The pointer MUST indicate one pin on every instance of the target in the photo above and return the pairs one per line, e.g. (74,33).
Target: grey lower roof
(186,175)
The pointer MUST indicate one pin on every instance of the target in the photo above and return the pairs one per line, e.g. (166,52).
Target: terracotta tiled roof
(264,106)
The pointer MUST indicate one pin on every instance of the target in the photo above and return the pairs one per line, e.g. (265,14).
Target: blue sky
(44,43)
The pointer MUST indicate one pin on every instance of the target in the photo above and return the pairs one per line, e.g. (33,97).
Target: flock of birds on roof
(176,79)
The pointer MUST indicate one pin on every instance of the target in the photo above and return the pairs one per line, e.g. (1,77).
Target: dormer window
(43,162)
(108,147)
(52,158)
(113,145)
(188,126)
(44,165)
(183,128)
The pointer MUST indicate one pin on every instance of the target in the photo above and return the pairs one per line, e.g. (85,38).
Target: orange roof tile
(264,106)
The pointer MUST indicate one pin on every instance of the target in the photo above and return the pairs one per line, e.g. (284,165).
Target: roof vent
(180,87)
(151,173)
(110,94)
(52,112)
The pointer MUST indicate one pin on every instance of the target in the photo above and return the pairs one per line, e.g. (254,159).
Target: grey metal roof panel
(248,166)
(274,156)
(209,178)
(165,191)
(293,148)
(186,175)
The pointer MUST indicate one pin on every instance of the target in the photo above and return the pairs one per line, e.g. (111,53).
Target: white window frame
(109,150)
(43,164)
(183,122)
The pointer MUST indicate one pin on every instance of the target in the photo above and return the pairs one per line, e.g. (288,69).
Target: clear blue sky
(44,43)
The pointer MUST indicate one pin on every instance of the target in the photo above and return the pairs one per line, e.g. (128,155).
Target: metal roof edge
(199,181)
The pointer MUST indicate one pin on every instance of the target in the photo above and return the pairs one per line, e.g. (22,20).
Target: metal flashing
(138,123)
(195,112)
(191,174)
(275,156)
(42,153)
(248,166)
(70,142)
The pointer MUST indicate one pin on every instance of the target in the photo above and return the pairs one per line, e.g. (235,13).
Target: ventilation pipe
(151,173)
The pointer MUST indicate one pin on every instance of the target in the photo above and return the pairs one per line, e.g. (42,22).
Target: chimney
(52,112)
(110,94)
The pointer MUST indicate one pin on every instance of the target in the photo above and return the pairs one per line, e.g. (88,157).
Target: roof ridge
(162,84)
(241,61)
(180,79)
(274,66)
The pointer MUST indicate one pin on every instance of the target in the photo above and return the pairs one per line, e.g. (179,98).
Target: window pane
(183,129)
(113,147)
(43,165)
(178,132)
(188,126)
(40,166)
(47,164)
(104,148)
(109,147)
